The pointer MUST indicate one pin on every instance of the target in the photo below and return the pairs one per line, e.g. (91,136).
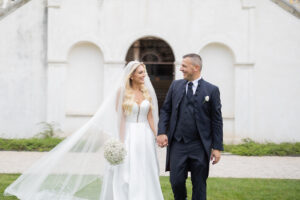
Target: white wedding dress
(76,168)
(138,177)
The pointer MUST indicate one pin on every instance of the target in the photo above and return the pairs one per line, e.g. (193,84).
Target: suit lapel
(200,91)
(198,87)
(181,90)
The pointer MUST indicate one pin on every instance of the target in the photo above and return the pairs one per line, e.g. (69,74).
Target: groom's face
(188,69)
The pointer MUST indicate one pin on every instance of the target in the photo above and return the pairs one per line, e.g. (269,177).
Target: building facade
(58,57)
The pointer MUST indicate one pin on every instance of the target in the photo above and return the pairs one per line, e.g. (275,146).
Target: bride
(76,169)
(138,177)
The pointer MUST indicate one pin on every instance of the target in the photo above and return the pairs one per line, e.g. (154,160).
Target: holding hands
(162,140)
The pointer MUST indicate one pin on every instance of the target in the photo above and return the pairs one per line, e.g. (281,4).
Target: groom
(191,126)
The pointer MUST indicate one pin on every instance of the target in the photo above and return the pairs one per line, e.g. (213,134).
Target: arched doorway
(159,60)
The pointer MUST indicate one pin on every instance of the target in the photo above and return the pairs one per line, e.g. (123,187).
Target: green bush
(31,144)
(247,148)
(251,148)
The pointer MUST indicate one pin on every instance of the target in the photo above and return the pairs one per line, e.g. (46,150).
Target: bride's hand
(162,140)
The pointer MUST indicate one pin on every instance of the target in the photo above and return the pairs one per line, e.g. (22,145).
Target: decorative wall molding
(54,3)
(115,62)
(248,4)
(57,62)
(240,64)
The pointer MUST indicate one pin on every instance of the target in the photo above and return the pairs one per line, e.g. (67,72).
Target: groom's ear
(197,68)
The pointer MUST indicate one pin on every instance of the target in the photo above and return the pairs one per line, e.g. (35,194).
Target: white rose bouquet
(114,151)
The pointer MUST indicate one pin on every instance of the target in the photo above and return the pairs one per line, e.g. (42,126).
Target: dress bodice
(139,112)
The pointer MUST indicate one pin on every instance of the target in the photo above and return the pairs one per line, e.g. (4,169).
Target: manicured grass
(251,148)
(242,189)
(5,180)
(32,144)
(218,188)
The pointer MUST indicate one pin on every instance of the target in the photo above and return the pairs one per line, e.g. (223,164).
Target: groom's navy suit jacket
(207,113)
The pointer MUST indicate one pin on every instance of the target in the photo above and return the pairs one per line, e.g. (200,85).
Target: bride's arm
(151,121)
(122,128)
(122,117)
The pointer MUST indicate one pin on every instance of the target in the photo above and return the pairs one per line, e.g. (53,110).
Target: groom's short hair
(195,58)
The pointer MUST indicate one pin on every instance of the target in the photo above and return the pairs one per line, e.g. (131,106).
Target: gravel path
(229,166)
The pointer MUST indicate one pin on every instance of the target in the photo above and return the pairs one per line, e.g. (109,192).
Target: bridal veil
(75,168)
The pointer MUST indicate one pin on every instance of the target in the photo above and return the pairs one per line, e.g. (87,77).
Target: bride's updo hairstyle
(129,95)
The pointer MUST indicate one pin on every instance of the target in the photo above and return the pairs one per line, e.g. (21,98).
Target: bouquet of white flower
(114,151)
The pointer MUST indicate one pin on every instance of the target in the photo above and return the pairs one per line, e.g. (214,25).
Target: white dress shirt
(195,85)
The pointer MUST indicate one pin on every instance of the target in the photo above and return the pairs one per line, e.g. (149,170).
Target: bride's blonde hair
(128,100)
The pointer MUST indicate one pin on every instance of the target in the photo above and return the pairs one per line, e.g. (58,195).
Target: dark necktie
(190,91)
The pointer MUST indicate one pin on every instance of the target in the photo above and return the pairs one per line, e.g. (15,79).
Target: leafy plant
(48,130)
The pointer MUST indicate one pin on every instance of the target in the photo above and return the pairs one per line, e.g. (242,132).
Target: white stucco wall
(262,38)
(277,74)
(22,70)
(245,27)
(186,27)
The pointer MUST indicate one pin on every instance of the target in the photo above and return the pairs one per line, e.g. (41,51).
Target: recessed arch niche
(84,81)
(218,68)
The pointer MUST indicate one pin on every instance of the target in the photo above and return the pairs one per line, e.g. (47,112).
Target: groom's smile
(188,69)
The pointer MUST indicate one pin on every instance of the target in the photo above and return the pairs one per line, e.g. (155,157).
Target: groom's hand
(215,156)
(162,140)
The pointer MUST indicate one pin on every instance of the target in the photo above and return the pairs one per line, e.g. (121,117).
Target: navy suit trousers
(186,157)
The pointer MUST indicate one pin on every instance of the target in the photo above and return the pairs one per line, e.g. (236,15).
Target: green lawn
(218,188)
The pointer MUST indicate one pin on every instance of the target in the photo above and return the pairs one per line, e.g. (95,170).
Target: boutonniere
(206,99)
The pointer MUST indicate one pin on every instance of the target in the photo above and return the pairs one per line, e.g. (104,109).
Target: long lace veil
(75,169)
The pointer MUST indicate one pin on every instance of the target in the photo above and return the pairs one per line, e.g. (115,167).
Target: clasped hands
(162,140)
